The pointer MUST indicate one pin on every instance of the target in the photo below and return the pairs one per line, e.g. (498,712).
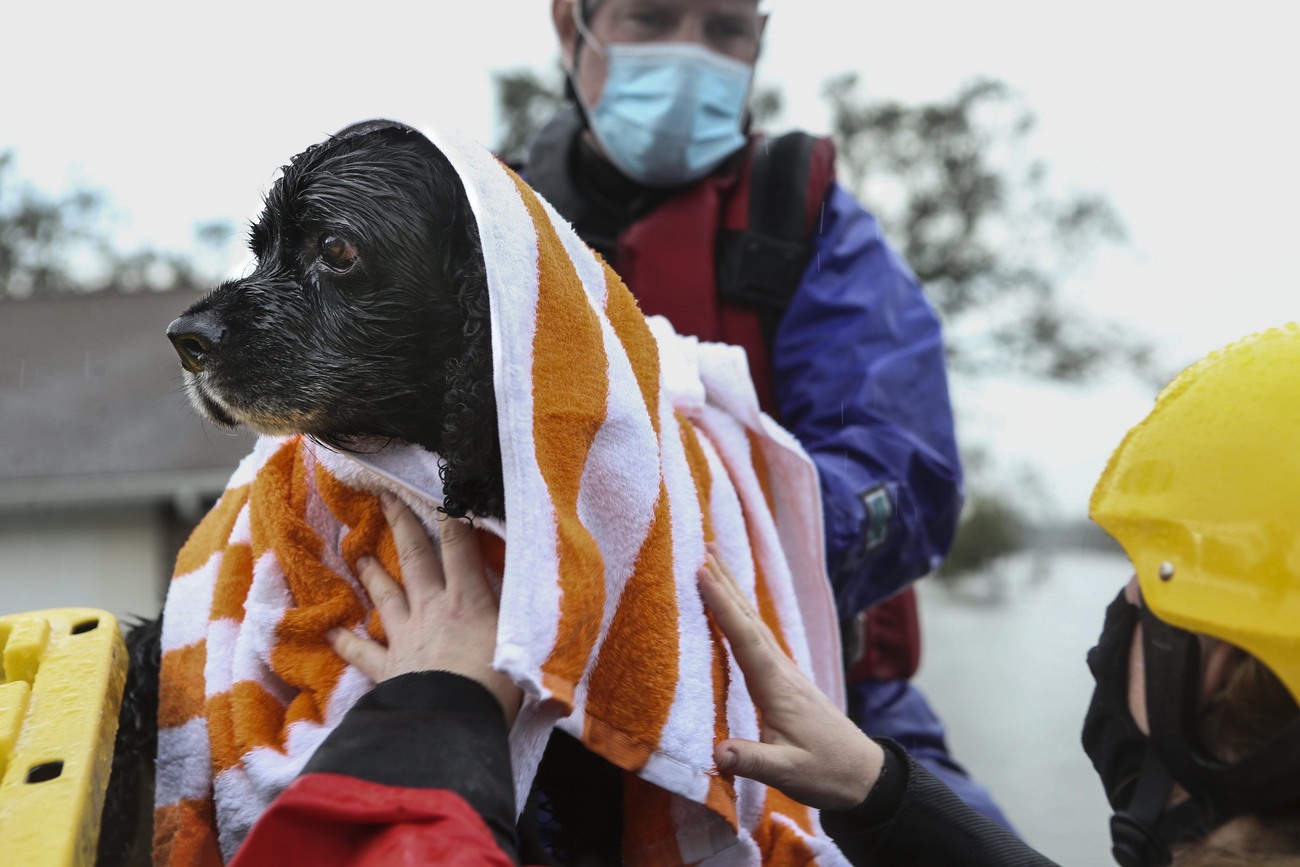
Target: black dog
(366,319)
(367,313)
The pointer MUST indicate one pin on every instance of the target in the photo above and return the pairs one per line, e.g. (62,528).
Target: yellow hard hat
(1204,495)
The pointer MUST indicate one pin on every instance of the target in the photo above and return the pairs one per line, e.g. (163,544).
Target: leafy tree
(61,246)
(991,528)
(36,233)
(974,216)
(525,101)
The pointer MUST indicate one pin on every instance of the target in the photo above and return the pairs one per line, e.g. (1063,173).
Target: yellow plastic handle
(61,685)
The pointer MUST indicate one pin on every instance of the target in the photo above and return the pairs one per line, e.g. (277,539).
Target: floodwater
(1003,665)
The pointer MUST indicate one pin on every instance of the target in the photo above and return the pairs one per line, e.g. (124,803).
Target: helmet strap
(1217,790)
(1135,841)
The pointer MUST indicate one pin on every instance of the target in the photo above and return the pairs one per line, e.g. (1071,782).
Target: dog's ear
(471,449)
(468,445)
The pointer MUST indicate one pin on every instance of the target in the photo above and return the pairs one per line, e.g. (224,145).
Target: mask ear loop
(585,36)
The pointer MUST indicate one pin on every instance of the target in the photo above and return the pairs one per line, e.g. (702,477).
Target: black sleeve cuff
(429,730)
(857,830)
(911,818)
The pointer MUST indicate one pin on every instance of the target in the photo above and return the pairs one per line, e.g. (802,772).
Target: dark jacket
(418,772)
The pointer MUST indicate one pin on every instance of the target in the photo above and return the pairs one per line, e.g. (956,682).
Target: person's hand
(810,750)
(446,617)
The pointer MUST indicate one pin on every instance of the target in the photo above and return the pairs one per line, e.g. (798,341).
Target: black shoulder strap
(778,188)
(761,265)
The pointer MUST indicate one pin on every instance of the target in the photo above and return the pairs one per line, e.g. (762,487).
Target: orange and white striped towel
(625,447)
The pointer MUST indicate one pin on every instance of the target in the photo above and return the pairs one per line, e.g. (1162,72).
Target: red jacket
(330,820)
(417,772)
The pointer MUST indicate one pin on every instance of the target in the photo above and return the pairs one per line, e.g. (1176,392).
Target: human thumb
(744,758)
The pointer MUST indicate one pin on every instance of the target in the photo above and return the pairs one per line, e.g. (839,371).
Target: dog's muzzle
(196,337)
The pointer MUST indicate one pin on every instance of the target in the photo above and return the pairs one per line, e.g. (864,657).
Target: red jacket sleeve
(330,820)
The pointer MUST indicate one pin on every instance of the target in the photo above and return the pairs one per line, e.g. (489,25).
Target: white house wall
(110,558)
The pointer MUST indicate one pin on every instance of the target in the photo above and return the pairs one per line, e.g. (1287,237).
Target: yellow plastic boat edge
(64,670)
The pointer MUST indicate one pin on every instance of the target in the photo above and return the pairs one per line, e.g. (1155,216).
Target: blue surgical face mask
(670,111)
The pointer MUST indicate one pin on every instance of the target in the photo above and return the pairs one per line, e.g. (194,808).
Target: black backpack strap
(761,265)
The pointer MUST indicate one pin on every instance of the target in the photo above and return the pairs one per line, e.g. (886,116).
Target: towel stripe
(721,797)
(764,600)
(642,638)
(362,516)
(651,840)
(636,340)
(259,718)
(781,845)
(778,802)
(182,837)
(366,532)
(213,532)
(182,671)
(223,738)
(321,599)
(234,578)
(634,642)
(760,469)
(569,387)
(767,607)
(699,465)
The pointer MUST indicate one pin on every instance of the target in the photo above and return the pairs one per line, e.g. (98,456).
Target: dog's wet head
(365,318)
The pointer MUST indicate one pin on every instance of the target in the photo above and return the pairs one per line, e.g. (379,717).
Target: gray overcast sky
(1183,117)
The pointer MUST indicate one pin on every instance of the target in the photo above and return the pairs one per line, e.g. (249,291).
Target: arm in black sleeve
(429,730)
(911,819)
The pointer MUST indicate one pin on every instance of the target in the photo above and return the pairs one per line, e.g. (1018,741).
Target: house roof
(92,407)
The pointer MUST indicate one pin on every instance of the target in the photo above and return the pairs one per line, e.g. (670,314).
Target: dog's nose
(195,336)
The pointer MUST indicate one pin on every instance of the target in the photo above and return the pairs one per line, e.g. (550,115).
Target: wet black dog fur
(366,314)
(364,321)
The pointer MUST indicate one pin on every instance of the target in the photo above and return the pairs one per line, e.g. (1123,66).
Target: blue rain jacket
(860,379)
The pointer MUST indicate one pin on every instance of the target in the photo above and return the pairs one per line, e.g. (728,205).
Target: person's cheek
(1137,681)
(592,72)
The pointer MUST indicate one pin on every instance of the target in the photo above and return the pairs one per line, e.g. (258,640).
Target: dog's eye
(336,252)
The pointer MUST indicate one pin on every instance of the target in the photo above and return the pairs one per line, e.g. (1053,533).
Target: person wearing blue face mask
(746,239)
(668,112)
